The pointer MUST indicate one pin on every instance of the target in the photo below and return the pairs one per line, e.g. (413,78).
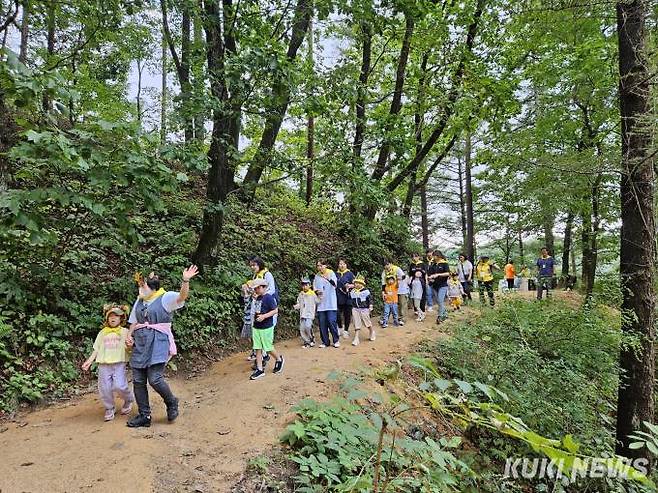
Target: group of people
(339,300)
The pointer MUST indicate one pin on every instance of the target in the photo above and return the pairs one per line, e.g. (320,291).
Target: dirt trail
(225,420)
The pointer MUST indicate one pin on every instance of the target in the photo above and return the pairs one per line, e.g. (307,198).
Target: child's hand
(86,365)
(130,342)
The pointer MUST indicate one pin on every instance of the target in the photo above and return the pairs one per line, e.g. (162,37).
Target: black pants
(154,374)
(467,290)
(510,283)
(344,316)
(488,285)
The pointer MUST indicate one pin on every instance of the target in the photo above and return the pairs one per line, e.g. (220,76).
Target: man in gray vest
(153,343)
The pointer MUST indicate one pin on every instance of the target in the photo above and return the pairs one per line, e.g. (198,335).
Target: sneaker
(401,323)
(266,358)
(306,345)
(322,346)
(139,421)
(172,411)
(278,365)
(312,344)
(372,337)
(430,309)
(384,326)
(127,407)
(257,374)
(418,319)
(336,344)
(355,342)
(252,356)
(346,334)
(109,414)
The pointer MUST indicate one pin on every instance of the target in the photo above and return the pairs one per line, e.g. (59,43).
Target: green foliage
(335,445)
(462,402)
(557,364)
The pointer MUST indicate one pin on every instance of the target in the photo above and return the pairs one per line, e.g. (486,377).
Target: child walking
(390,295)
(361,308)
(266,308)
(456,292)
(111,355)
(307,302)
(417,291)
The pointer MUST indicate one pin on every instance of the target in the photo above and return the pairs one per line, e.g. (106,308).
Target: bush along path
(225,421)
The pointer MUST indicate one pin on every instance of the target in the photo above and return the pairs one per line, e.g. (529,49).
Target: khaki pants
(361,318)
(403,306)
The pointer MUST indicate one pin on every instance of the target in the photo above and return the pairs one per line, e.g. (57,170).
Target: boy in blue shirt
(545,271)
(265,309)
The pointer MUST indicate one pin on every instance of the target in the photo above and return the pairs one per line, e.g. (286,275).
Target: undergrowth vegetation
(525,380)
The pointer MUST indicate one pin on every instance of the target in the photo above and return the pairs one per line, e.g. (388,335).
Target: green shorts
(263,339)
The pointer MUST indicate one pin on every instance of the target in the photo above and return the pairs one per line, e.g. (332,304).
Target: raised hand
(190,272)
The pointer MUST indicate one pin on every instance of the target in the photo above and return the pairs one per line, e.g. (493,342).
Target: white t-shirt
(464,270)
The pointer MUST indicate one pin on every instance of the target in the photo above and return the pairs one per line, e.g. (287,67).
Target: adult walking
(153,343)
(392,270)
(484,274)
(324,285)
(545,272)
(344,284)
(438,274)
(465,275)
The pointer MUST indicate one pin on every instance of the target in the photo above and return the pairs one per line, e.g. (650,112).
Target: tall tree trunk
(225,132)
(140,69)
(51,23)
(25,31)
(448,108)
(549,239)
(635,402)
(424,221)
(200,116)
(310,125)
(182,64)
(396,102)
(163,92)
(419,119)
(468,200)
(360,107)
(462,203)
(521,249)
(566,244)
(280,97)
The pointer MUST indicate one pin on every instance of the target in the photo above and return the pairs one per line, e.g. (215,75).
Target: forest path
(225,420)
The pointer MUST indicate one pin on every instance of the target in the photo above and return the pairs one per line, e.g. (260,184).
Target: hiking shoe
(127,407)
(172,410)
(278,365)
(257,374)
(336,344)
(109,414)
(139,421)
